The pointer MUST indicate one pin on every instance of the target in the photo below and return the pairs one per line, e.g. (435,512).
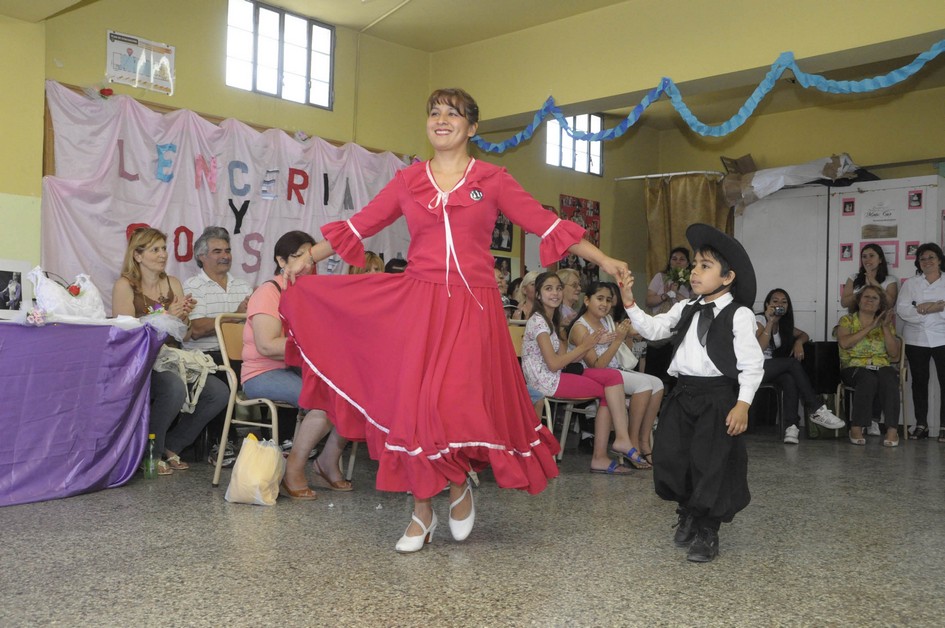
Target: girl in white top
(646,391)
(544,357)
(873,272)
(922,310)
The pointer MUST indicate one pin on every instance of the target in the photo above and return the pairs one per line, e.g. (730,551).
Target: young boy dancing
(698,460)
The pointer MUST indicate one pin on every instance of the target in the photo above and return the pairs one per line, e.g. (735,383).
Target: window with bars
(275,52)
(579,155)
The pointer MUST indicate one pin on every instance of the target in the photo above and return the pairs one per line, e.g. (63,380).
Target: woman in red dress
(448,395)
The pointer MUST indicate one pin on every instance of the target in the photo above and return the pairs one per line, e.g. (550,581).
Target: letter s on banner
(252,238)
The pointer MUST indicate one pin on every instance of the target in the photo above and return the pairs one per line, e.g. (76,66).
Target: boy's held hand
(737,419)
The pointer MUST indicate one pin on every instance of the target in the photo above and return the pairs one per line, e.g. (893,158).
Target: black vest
(720,343)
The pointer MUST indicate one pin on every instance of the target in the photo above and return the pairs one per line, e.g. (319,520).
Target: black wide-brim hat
(701,235)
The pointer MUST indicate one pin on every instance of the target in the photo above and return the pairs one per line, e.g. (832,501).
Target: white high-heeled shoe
(460,529)
(408,544)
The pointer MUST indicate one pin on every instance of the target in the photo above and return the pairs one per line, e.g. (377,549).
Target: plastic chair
(779,401)
(229,328)
(570,408)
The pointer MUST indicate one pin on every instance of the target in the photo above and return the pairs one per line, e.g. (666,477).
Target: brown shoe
(342,485)
(303,494)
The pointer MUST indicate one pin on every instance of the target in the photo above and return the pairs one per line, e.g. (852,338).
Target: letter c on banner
(188,253)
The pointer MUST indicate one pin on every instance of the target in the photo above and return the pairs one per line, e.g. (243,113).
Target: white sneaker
(791,434)
(873,429)
(825,418)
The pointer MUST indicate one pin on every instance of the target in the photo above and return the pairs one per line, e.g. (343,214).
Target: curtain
(674,203)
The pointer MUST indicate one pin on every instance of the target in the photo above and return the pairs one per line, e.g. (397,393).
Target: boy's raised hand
(625,280)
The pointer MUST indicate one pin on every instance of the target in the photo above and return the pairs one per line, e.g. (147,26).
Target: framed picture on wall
(502,234)
(911,249)
(890,250)
(849,207)
(16,291)
(915,199)
(846,252)
(586,213)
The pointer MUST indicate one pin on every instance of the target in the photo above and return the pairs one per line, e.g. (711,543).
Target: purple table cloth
(74,408)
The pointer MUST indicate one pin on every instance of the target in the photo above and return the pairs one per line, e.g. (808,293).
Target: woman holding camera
(783,346)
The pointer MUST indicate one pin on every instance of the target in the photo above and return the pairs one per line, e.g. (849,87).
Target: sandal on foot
(648,456)
(637,460)
(177,464)
(615,468)
(163,468)
(342,485)
(919,432)
(303,494)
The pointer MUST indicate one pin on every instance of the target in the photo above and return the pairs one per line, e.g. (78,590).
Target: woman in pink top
(449,396)
(265,374)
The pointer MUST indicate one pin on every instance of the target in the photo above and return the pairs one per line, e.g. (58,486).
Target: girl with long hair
(545,354)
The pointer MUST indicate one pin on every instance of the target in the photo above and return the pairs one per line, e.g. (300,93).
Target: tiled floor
(835,535)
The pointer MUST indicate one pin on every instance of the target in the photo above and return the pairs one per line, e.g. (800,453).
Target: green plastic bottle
(150,462)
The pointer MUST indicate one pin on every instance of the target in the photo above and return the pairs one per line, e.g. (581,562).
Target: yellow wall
(381,88)
(630,46)
(75,54)
(878,130)
(21,126)
(623,220)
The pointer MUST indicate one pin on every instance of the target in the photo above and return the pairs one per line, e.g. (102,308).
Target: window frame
(564,139)
(311,24)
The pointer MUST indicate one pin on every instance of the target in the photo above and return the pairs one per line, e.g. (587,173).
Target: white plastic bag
(57,301)
(626,360)
(169,324)
(257,473)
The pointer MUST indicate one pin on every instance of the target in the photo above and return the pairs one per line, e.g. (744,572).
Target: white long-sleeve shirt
(693,359)
(921,330)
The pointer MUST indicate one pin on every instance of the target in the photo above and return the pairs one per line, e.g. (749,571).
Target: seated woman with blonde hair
(572,294)
(265,374)
(868,347)
(525,296)
(373,263)
(144,288)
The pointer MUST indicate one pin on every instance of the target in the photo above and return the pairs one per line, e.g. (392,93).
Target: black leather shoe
(705,546)
(685,530)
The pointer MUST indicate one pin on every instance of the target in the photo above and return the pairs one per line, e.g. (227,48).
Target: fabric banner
(120,165)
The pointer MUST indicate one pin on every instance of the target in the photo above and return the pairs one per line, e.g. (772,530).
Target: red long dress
(421,364)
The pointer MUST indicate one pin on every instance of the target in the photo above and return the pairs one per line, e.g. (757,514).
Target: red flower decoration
(106,92)
(74,290)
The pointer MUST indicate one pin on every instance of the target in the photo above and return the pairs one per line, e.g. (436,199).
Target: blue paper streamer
(784,62)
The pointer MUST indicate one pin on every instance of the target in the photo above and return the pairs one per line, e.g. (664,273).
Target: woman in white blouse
(873,272)
(922,310)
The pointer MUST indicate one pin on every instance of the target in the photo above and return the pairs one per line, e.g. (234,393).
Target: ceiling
(433,25)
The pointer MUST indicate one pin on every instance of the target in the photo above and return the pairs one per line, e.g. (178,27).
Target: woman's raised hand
(298,266)
(614,267)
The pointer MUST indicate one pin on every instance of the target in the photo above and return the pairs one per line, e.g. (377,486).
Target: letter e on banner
(163,164)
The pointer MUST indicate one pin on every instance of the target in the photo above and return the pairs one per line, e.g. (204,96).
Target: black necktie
(706,315)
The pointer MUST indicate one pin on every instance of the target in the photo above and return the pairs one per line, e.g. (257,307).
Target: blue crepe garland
(784,62)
